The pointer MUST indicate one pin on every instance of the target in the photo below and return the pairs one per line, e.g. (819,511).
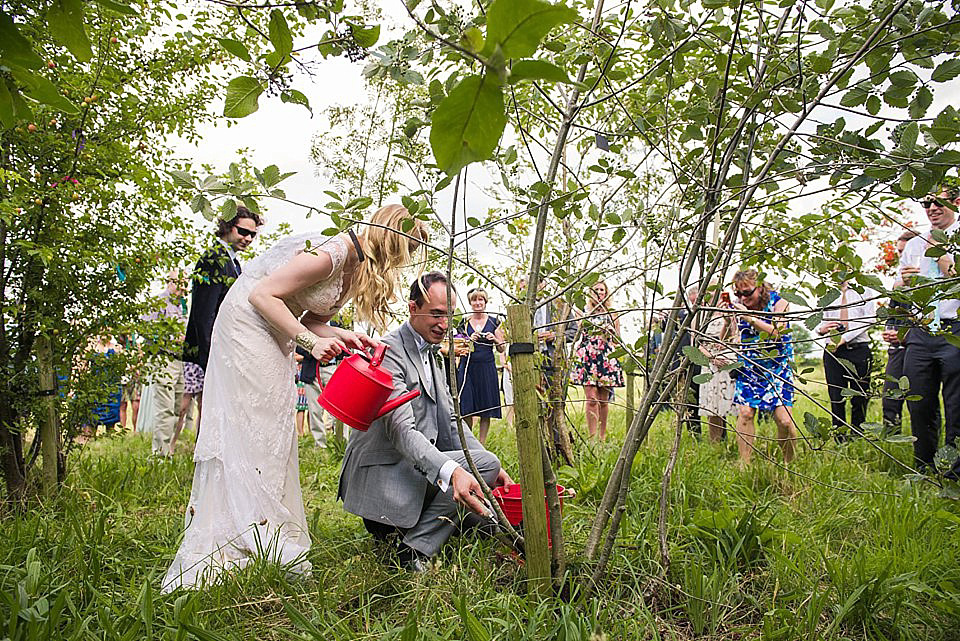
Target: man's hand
(546,334)
(891,336)
(907,271)
(467,492)
(503,479)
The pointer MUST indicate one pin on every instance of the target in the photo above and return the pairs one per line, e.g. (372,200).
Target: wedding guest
(246,501)
(765,380)
(716,394)
(593,367)
(166,377)
(212,278)
(846,323)
(477,370)
(931,362)
(892,394)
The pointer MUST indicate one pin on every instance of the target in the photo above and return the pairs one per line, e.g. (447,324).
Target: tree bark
(529,450)
(49,439)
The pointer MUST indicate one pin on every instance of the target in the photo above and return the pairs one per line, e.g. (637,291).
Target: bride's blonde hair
(388,248)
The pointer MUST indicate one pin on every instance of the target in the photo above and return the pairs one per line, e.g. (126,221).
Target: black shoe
(411,560)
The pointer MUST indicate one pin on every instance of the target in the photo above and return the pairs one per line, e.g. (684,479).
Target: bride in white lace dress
(246,501)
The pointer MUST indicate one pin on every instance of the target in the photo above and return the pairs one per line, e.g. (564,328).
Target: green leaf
(14,47)
(65,20)
(792,297)
(472,39)
(537,70)
(365,35)
(118,7)
(946,70)
(870,280)
(702,378)
(6,106)
(279,33)
(42,90)
(468,123)
(854,97)
(475,630)
(861,182)
(920,103)
(235,47)
(694,355)
(182,179)
(243,93)
(296,97)
(228,210)
(518,26)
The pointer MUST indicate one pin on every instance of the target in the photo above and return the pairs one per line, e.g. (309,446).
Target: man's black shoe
(411,560)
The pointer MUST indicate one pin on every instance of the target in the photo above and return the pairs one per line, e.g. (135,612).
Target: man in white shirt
(892,395)
(848,347)
(931,362)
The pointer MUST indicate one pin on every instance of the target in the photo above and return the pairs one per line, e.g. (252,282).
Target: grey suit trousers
(441,514)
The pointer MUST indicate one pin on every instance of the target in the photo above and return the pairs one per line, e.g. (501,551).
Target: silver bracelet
(307,340)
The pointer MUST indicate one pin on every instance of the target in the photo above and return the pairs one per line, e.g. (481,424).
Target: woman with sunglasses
(246,501)
(765,380)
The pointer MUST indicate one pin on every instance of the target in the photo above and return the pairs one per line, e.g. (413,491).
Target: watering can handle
(378,355)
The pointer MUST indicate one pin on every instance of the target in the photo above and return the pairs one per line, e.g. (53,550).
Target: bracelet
(307,340)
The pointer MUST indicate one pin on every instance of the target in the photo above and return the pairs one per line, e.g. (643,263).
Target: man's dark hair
(951,190)
(224,226)
(419,287)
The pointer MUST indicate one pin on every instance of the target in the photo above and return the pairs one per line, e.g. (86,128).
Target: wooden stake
(529,451)
(629,392)
(49,439)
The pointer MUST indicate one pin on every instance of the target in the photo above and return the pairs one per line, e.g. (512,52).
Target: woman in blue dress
(477,370)
(765,380)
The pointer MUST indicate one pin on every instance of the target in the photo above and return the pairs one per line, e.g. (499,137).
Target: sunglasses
(246,233)
(745,293)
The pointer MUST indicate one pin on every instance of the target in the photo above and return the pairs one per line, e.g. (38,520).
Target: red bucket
(510,498)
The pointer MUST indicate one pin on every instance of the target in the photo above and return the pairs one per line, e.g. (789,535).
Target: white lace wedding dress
(246,501)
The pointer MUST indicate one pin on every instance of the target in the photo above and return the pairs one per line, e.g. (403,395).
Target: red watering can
(359,388)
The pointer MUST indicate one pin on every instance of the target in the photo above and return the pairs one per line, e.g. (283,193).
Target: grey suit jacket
(387,469)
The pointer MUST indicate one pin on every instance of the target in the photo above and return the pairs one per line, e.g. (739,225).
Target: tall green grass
(840,546)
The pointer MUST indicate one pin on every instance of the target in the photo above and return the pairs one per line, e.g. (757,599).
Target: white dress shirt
(861,314)
(425,350)
(913,255)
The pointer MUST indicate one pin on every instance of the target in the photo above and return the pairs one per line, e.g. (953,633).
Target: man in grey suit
(408,473)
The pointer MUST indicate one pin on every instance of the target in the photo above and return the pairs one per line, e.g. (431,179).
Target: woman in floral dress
(593,368)
(765,380)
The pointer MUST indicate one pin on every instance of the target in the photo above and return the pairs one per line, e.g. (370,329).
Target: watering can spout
(398,401)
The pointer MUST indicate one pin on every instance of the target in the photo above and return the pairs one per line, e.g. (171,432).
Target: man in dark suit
(215,272)
(408,473)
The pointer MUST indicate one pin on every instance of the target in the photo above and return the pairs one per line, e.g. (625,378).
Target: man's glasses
(745,293)
(247,233)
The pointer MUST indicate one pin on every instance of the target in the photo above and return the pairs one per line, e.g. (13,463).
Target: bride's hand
(327,349)
(357,340)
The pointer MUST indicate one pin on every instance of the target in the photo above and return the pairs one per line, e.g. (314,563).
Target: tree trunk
(529,449)
(49,438)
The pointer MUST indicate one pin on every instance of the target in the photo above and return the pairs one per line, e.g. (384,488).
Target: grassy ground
(841,546)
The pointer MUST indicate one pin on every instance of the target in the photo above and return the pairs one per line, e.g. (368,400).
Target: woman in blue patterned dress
(593,367)
(765,380)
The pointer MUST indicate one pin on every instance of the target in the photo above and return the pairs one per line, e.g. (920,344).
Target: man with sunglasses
(930,361)
(215,272)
